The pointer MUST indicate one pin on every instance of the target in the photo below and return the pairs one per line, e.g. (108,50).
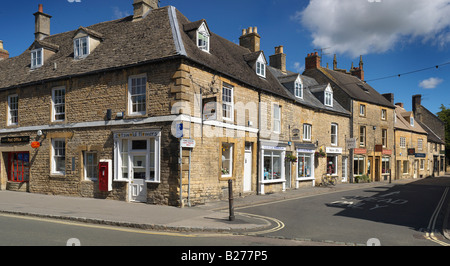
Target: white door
(344,169)
(248,171)
(138,187)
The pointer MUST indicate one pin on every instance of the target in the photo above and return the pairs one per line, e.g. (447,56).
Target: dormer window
(328,97)
(203,38)
(261,66)
(81,47)
(298,88)
(37,58)
(85,41)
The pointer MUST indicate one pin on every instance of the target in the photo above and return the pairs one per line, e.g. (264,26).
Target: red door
(19,167)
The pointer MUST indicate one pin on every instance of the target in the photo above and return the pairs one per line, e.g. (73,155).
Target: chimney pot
(251,40)
(41,8)
(244,32)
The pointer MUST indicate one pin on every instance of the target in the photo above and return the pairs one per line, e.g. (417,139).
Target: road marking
(279,224)
(432,224)
(121,229)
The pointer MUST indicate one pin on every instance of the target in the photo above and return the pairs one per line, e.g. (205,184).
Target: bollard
(231,199)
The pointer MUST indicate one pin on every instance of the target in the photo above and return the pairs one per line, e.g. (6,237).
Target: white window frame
(13,110)
(335,135)
(307,129)
(261,66)
(420,144)
(402,142)
(57,151)
(37,58)
(89,173)
(279,155)
(298,88)
(78,48)
(362,110)
(122,157)
(57,103)
(362,137)
(335,161)
(203,43)
(230,160)
(383,114)
(305,164)
(276,118)
(131,96)
(228,103)
(328,97)
(384,137)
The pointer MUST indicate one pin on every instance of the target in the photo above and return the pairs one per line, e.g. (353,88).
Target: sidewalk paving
(211,217)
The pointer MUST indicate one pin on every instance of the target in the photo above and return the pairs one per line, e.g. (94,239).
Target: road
(394,215)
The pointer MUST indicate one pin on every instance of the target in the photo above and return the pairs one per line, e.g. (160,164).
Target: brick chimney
(142,7)
(389,97)
(250,39)
(278,60)
(42,24)
(3,53)
(358,71)
(312,61)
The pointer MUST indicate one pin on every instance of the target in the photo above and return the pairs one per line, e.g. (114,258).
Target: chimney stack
(142,7)
(358,71)
(399,104)
(312,61)
(389,97)
(278,60)
(42,24)
(250,39)
(416,101)
(3,53)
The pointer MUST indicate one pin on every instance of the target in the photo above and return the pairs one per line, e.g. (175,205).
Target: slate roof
(351,85)
(403,124)
(310,85)
(162,34)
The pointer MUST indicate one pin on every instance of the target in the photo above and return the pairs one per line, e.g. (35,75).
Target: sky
(406,37)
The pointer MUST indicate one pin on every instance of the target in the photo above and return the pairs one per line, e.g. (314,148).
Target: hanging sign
(35,144)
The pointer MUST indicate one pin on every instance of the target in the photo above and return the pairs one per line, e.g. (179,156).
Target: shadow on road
(411,205)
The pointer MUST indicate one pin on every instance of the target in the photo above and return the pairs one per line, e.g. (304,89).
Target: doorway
(18,167)
(248,165)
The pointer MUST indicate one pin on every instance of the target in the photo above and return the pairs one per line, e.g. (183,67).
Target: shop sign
(360,151)
(421,155)
(273,148)
(333,150)
(11,140)
(387,152)
(411,151)
(350,143)
(210,108)
(35,144)
(188,143)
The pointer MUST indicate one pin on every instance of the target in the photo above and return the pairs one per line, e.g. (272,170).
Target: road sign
(179,133)
(188,143)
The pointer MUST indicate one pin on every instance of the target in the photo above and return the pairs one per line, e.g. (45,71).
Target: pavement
(210,217)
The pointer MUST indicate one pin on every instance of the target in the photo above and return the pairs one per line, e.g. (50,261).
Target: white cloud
(358,27)
(430,83)
(298,67)
(117,13)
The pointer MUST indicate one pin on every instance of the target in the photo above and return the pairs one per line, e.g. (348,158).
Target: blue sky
(394,37)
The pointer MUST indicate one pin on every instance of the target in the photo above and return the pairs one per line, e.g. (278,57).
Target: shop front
(272,168)
(305,163)
(15,170)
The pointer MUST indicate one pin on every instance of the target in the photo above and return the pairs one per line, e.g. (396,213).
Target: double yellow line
(432,224)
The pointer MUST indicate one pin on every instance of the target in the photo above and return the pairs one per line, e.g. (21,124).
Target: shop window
(272,165)
(405,167)
(305,165)
(332,165)
(227,160)
(385,167)
(18,167)
(358,165)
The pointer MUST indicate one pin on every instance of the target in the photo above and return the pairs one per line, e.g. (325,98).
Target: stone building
(436,135)
(411,154)
(371,121)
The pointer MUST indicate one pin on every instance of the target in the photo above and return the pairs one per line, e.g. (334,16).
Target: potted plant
(320,154)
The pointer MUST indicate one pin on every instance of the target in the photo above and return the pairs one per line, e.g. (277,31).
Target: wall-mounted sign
(210,108)
(420,155)
(10,140)
(411,151)
(35,144)
(188,143)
